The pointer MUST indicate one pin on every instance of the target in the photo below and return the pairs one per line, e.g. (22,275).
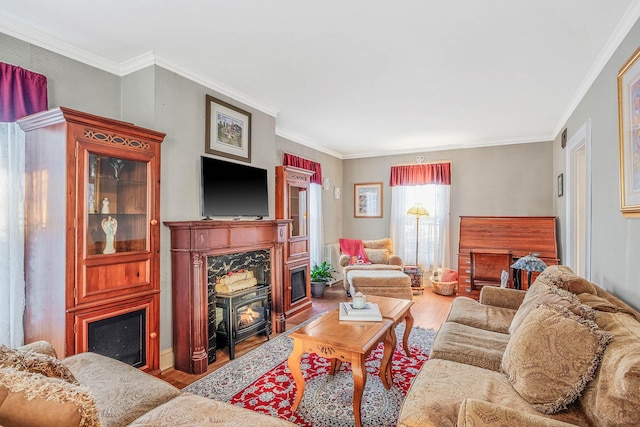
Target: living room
(514,179)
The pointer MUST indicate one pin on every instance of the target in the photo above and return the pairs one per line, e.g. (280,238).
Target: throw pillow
(613,397)
(552,356)
(32,400)
(377,256)
(543,293)
(563,277)
(35,362)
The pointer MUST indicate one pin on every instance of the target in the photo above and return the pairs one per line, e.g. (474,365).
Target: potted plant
(320,275)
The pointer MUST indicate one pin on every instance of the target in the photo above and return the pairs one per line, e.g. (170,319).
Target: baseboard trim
(166,359)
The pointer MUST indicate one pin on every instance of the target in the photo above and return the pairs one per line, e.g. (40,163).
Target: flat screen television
(233,190)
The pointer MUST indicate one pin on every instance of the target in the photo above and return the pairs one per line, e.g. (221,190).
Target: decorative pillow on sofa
(29,399)
(38,363)
(613,397)
(552,356)
(543,293)
(563,277)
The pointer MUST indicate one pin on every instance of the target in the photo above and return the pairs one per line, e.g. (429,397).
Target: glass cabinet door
(298,210)
(117,205)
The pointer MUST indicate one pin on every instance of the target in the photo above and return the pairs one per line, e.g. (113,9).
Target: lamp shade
(418,210)
(529,263)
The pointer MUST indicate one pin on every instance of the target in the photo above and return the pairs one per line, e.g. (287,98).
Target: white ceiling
(356,78)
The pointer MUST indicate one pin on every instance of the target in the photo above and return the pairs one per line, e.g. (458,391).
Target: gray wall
(615,241)
(505,180)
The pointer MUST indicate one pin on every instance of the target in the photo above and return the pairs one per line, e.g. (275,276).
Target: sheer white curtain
(12,291)
(434,231)
(315,224)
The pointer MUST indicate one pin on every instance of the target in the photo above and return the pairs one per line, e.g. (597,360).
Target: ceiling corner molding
(45,41)
(138,63)
(299,139)
(624,26)
(218,87)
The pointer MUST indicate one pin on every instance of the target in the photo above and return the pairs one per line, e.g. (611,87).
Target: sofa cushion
(468,311)
(613,397)
(563,277)
(30,361)
(541,292)
(32,399)
(378,256)
(189,410)
(552,356)
(437,392)
(469,345)
(478,413)
(122,392)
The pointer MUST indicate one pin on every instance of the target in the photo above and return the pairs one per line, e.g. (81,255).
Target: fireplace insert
(243,314)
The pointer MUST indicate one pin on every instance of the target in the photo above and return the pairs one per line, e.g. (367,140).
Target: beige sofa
(385,264)
(87,389)
(566,352)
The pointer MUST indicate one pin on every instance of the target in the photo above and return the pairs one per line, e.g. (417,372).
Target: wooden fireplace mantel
(191,243)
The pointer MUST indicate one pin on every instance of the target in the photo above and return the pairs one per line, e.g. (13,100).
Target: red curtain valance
(22,92)
(299,162)
(433,173)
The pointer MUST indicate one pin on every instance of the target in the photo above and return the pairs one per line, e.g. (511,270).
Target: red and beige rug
(260,380)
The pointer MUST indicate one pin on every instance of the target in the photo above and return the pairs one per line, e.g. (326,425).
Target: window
(426,240)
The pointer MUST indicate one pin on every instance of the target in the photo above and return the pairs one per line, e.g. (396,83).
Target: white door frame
(582,138)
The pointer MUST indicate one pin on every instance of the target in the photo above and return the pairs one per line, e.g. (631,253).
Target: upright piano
(519,234)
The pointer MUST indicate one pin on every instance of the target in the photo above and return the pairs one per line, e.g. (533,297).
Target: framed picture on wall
(367,200)
(629,134)
(228,130)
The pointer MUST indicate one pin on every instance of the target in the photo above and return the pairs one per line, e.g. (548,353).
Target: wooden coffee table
(396,310)
(341,341)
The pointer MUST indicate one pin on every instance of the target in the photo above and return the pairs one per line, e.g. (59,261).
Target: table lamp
(418,211)
(529,263)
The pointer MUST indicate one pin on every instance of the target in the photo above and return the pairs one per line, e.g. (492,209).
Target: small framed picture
(629,134)
(367,200)
(228,130)
(561,185)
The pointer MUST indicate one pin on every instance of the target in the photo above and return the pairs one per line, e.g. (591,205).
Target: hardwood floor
(429,311)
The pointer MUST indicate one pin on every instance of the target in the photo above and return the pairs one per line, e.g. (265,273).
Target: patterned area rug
(260,380)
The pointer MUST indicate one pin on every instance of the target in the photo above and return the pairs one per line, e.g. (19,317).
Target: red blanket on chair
(355,250)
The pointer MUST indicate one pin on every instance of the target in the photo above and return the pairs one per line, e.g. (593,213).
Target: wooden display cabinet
(92,235)
(292,203)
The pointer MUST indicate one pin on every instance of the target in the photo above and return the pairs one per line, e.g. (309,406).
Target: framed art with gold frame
(629,134)
(228,130)
(367,200)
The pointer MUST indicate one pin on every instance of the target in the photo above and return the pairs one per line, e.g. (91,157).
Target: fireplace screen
(120,337)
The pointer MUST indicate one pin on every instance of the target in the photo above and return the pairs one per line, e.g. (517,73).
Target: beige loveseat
(566,352)
(385,264)
(87,389)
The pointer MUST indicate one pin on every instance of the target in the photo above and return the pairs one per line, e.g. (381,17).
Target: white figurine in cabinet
(109,226)
(105,206)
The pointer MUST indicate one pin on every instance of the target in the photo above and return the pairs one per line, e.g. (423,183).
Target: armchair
(380,254)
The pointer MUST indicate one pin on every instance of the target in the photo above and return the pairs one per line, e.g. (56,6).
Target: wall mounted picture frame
(561,185)
(629,135)
(367,200)
(228,130)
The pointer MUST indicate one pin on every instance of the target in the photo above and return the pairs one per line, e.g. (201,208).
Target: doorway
(578,202)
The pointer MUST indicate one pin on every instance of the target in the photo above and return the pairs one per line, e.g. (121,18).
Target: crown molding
(624,26)
(299,139)
(217,86)
(129,66)
(45,41)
